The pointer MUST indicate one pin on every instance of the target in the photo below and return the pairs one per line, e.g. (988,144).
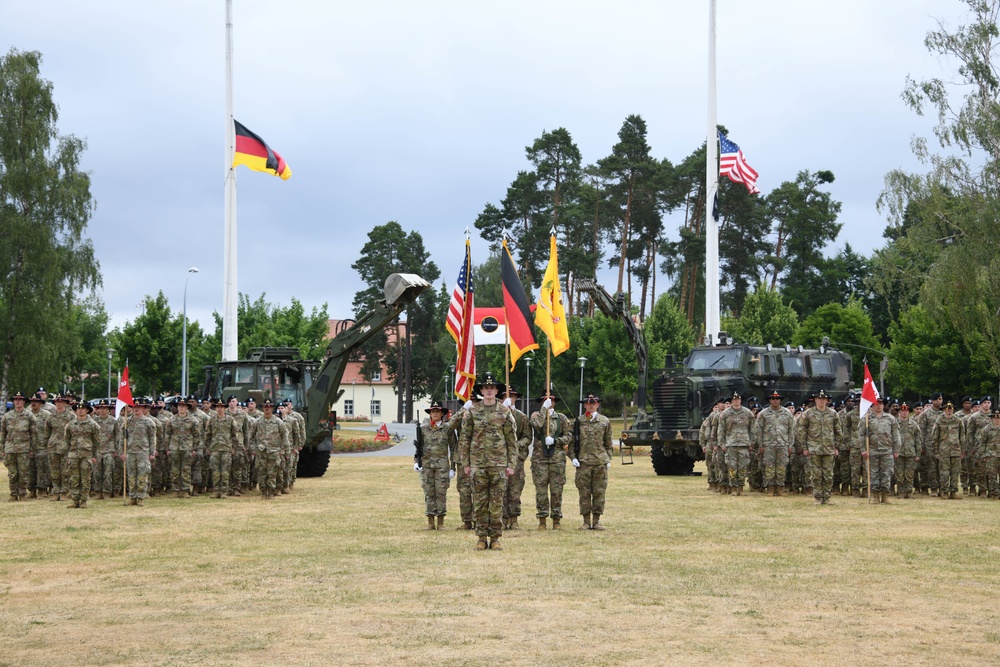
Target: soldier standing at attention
(719,456)
(553,435)
(948,444)
(487,451)
(879,435)
(705,434)
(83,439)
(735,435)
(250,475)
(989,449)
(298,441)
(107,451)
(435,460)
(220,440)
(270,439)
(140,451)
(515,485)
(850,455)
(183,431)
(927,469)
(592,460)
(463,483)
(776,438)
(55,442)
(17,438)
(240,420)
(39,452)
(158,480)
(822,436)
(911,444)
(977,472)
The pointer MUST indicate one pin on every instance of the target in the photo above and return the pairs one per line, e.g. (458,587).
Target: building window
(376,376)
(376,409)
(348,408)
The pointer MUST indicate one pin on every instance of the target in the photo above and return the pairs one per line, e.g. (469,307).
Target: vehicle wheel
(678,464)
(661,464)
(313,463)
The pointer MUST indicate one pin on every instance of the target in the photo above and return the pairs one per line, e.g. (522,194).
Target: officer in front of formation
(435,460)
(592,459)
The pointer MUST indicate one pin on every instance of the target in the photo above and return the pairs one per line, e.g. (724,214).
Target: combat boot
(541,523)
(906,495)
(100,496)
(513,523)
(954,496)
(13,498)
(74,504)
(83,503)
(430,522)
(465,525)
(218,494)
(597,523)
(138,502)
(32,494)
(440,521)
(555,523)
(586,522)
(495,544)
(983,493)
(56,498)
(884,499)
(739,490)
(481,544)
(845,489)
(133,501)
(236,493)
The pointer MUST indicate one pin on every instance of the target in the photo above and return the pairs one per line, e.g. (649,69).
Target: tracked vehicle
(312,386)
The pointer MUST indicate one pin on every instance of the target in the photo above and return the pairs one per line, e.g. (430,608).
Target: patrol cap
(592,399)
(775,395)
(436,405)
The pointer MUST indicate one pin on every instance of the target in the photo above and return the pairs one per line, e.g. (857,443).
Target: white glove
(608,466)
(576,463)
(468,405)
(549,440)
(547,403)
(552,413)
(507,403)
(593,416)
(451,474)
(416,466)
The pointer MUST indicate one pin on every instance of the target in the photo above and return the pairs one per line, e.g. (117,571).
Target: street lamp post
(111,352)
(583,362)
(527,382)
(184,343)
(83,385)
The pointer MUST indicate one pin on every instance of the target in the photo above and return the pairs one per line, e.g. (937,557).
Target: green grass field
(341,572)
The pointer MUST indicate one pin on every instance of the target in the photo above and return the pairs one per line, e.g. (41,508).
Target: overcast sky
(420,111)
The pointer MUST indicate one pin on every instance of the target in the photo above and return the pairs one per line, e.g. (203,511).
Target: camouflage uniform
(83,438)
(911,443)
(107,451)
(821,434)
(241,459)
(140,444)
(735,437)
(487,446)
(200,473)
(853,447)
(17,439)
(220,440)
(250,472)
(594,456)
(300,426)
(975,460)
(40,450)
(705,434)
(515,484)
(776,437)
(463,482)
(55,443)
(719,456)
(968,461)
(989,449)
(947,441)
(549,472)
(927,467)
(440,454)
(160,473)
(183,434)
(881,432)
(270,438)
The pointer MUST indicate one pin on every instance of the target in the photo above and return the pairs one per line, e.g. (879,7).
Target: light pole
(583,362)
(446,376)
(83,385)
(354,397)
(111,352)
(184,343)
(527,388)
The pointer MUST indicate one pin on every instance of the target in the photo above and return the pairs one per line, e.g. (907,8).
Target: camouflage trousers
(268,470)
(737,460)
(977,470)
(197,478)
(488,487)
(221,464)
(755,470)
(180,470)
(515,486)
(80,470)
(822,475)
(17,472)
(137,470)
(968,464)
(949,473)
(41,461)
(928,471)
(549,480)
(160,472)
(251,473)
(859,480)
(293,463)
(463,483)
(592,482)
(238,472)
(119,476)
(104,472)
(880,467)
(713,474)
(435,482)
(991,474)
(57,472)
(842,468)
(905,467)
(721,471)
(775,461)
(800,473)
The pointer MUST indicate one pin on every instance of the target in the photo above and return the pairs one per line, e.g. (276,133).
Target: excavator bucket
(403,288)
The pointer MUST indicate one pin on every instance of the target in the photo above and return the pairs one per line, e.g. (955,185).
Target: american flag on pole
(461,318)
(734,165)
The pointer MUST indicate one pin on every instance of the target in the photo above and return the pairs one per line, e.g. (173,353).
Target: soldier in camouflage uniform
(705,435)
(183,434)
(296,438)
(159,474)
(755,468)
(775,437)
(296,448)
(947,441)
(975,463)
(735,436)
(83,440)
(270,438)
(592,460)
(553,434)
(879,430)
(911,444)
(139,448)
(487,450)
(107,451)
(927,467)
(851,455)
(989,449)
(436,462)
(515,485)
(250,476)
(17,436)
(220,441)
(463,483)
(842,464)
(39,453)
(719,456)
(55,442)
(822,436)
(240,456)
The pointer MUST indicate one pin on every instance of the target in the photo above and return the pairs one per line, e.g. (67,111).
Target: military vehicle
(312,386)
(683,395)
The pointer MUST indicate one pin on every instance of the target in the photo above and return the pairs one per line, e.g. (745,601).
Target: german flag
(254,152)
(516,310)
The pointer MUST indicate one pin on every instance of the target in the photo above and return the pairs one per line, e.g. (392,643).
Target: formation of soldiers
(63,450)
(486,445)
(897,449)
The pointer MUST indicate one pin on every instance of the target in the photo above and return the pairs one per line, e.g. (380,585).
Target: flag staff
(125,461)
(230,334)
(711,191)
(506,324)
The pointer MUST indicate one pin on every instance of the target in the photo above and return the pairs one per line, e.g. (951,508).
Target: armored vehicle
(312,386)
(683,395)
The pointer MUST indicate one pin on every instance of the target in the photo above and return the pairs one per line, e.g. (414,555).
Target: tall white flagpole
(712,316)
(230,335)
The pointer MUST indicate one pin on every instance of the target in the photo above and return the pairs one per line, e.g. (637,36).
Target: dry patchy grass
(341,572)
